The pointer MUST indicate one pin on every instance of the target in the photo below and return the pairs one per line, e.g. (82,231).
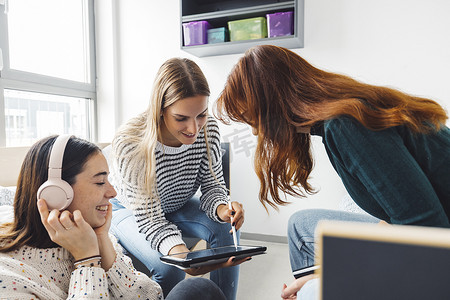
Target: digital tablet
(211,256)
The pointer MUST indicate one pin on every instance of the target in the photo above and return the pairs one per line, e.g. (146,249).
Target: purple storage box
(195,33)
(279,24)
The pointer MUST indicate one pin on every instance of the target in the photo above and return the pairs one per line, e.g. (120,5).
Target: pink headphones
(55,191)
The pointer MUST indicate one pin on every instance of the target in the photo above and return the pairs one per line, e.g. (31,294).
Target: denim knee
(303,223)
(217,234)
(118,216)
(196,288)
(301,227)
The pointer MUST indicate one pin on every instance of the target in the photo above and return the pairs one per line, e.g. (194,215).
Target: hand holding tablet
(211,256)
(204,261)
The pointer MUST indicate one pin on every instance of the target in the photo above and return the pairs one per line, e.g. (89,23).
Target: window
(47,79)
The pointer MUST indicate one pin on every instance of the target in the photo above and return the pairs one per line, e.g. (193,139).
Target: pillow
(6,202)
(7,195)
(6,213)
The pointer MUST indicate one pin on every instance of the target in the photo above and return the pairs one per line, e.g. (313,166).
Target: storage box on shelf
(217,35)
(219,12)
(195,33)
(280,24)
(248,29)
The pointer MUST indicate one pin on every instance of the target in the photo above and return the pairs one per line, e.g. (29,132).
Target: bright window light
(49,37)
(32,116)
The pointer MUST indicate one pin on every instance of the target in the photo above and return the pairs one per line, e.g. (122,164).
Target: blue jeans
(301,229)
(193,223)
(196,288)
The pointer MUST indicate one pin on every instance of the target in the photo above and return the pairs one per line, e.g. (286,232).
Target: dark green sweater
(393,174)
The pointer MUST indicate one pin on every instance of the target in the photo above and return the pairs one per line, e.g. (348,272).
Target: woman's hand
(70,231)
(237,213)
(290,292)
(103,230)
(178,249)
(383,223)
(107,251)
(232,261)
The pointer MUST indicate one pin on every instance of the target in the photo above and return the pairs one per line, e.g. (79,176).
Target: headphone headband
(57,193)
(56,156)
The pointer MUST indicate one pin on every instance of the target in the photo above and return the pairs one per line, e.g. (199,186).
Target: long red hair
(276,91)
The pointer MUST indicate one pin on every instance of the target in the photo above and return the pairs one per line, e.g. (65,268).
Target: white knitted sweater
(33,273)
(180,171)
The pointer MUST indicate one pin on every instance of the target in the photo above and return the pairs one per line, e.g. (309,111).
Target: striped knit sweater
(180,172)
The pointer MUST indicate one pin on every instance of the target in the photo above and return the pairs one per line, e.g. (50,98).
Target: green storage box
(248,29)
(217,35)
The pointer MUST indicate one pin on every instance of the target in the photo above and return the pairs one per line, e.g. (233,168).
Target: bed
(10,162)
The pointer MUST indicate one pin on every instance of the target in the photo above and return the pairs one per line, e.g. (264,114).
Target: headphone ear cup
(57,193)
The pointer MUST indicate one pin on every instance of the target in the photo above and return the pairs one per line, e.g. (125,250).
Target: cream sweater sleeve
(125,282)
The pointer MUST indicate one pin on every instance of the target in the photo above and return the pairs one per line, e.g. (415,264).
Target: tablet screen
(211,256)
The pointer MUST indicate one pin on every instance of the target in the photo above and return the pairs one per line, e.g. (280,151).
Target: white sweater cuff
(170,242)
(215,206)
(89,281)
(124,279)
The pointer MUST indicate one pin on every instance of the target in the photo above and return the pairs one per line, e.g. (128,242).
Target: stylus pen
(233,227)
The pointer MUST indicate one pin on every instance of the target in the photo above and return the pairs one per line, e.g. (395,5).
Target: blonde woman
(159,160)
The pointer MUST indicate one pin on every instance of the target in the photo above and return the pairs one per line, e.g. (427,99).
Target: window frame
(32,82)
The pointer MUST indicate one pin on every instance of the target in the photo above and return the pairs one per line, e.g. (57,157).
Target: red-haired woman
(391,149)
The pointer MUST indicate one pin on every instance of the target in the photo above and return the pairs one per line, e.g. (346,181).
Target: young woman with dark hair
(391,149)
(69,253)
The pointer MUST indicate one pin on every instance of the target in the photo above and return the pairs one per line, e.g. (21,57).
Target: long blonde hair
(177,78)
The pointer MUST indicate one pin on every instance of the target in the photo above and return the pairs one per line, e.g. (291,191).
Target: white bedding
(7,195)
(6,201)
(6,213)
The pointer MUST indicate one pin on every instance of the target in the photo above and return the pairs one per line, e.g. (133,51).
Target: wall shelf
(218,13)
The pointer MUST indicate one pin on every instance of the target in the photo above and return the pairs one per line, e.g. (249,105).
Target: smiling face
(182,121)
(92,191)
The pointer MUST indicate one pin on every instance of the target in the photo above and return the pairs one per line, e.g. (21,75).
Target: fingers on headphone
(53,220)
(42,208)
(66,215)
(43,211)
(78,218)
(66,219)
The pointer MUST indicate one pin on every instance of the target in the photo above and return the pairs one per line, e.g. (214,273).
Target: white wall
(403,44)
